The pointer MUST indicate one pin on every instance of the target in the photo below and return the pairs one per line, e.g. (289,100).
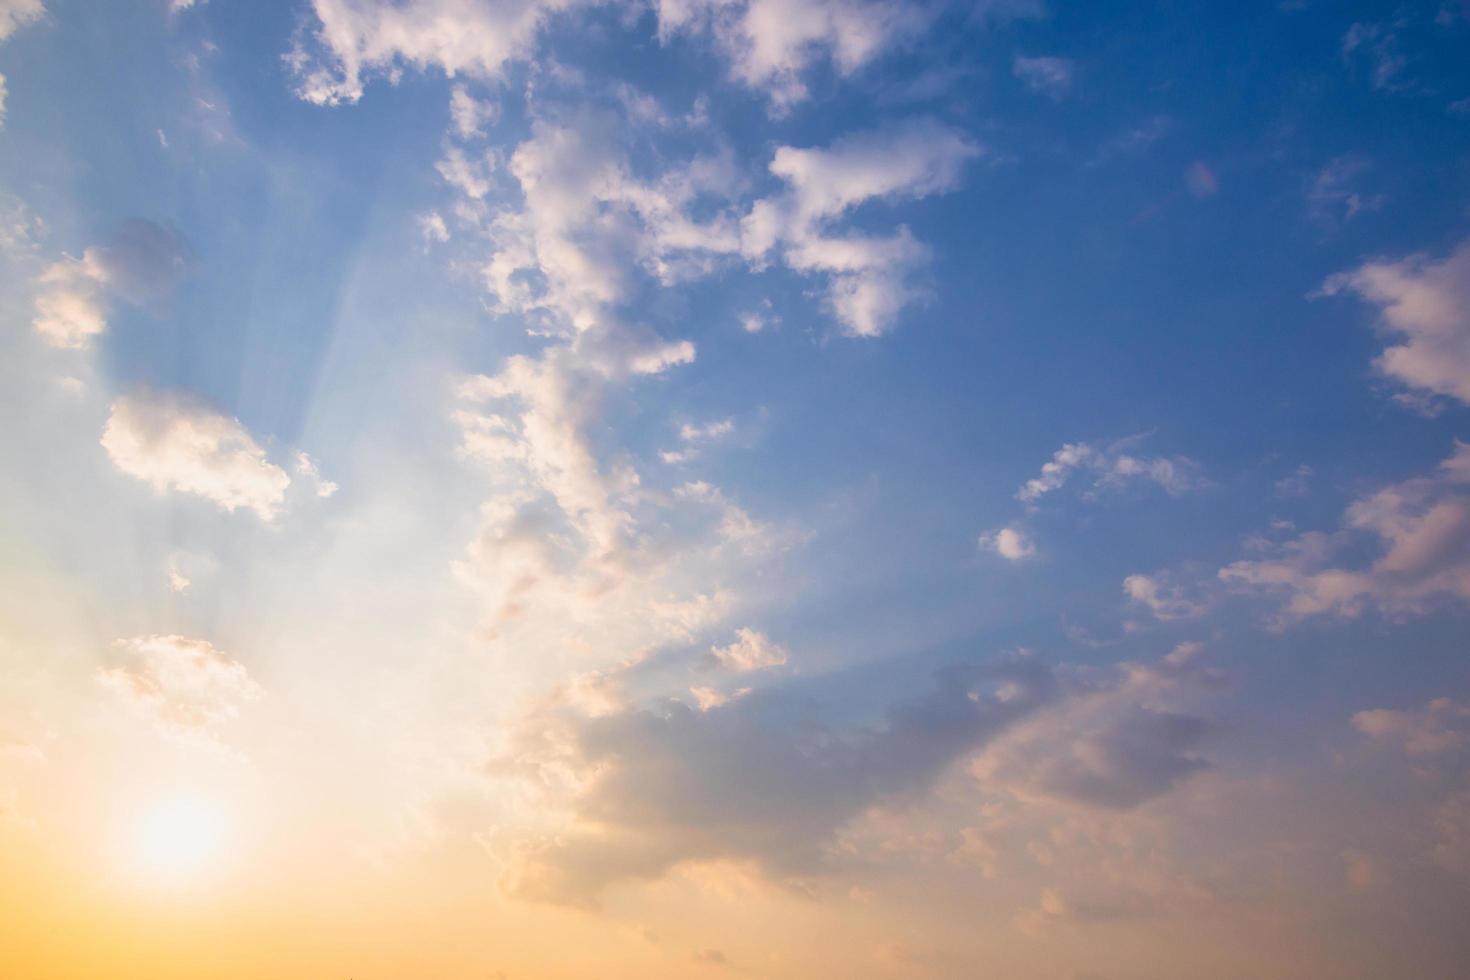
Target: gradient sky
(777,488)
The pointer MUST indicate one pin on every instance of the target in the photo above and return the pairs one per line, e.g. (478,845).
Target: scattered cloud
(1167,602)
(1424,305)
(143,263)
(1441,725)
(868,277)
(752,650)
(174,443)
(1048,76)
(1110,467)
(1011,543)
(1421,528)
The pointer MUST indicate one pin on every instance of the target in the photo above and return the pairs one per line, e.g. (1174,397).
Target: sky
(517,489)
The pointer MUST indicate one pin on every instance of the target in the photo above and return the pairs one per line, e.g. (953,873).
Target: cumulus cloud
(1110,467)
(868,277)
(1048,76)
(1010,543)
(142,263)
(185,685)
(353,40)
(15,14)
(1421,530)
(751,650)
(174,443)
(1424,306)
(772,43)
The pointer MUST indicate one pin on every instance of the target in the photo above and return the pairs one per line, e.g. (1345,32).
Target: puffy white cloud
(1048,76)
(867,277)
(1424,306)
(143,263)
(185,685)
(15,14)
(1110,467)
(175,443)
(1011,543)
(772,43)
(353,40)
(1422,531)
(752,650)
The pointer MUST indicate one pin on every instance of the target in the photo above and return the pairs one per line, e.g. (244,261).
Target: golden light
(180,838)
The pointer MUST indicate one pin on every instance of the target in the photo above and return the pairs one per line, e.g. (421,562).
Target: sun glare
(180,838)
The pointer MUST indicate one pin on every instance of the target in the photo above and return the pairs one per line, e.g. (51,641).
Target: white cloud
(751,650)
(1424,304)
(143,263)
(185,685)
(433,228)
(1048,76)
(469,114)
(1422,531)
(694,437)
(867,277)
(772,43)
(306,467)
(176,444)
(353,40)
(1110,466)
(1165,601)
(1011,543)
(15,14)
(469,175)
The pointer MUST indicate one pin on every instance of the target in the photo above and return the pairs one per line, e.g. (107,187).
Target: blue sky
(833,487)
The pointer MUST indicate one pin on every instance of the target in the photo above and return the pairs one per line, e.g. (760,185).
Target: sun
(180,838)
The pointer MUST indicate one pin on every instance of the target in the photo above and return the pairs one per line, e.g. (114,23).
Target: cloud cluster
(1421,532)
(353,40)
(867,276)
(1424,305)
(185,685)
(175,443)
